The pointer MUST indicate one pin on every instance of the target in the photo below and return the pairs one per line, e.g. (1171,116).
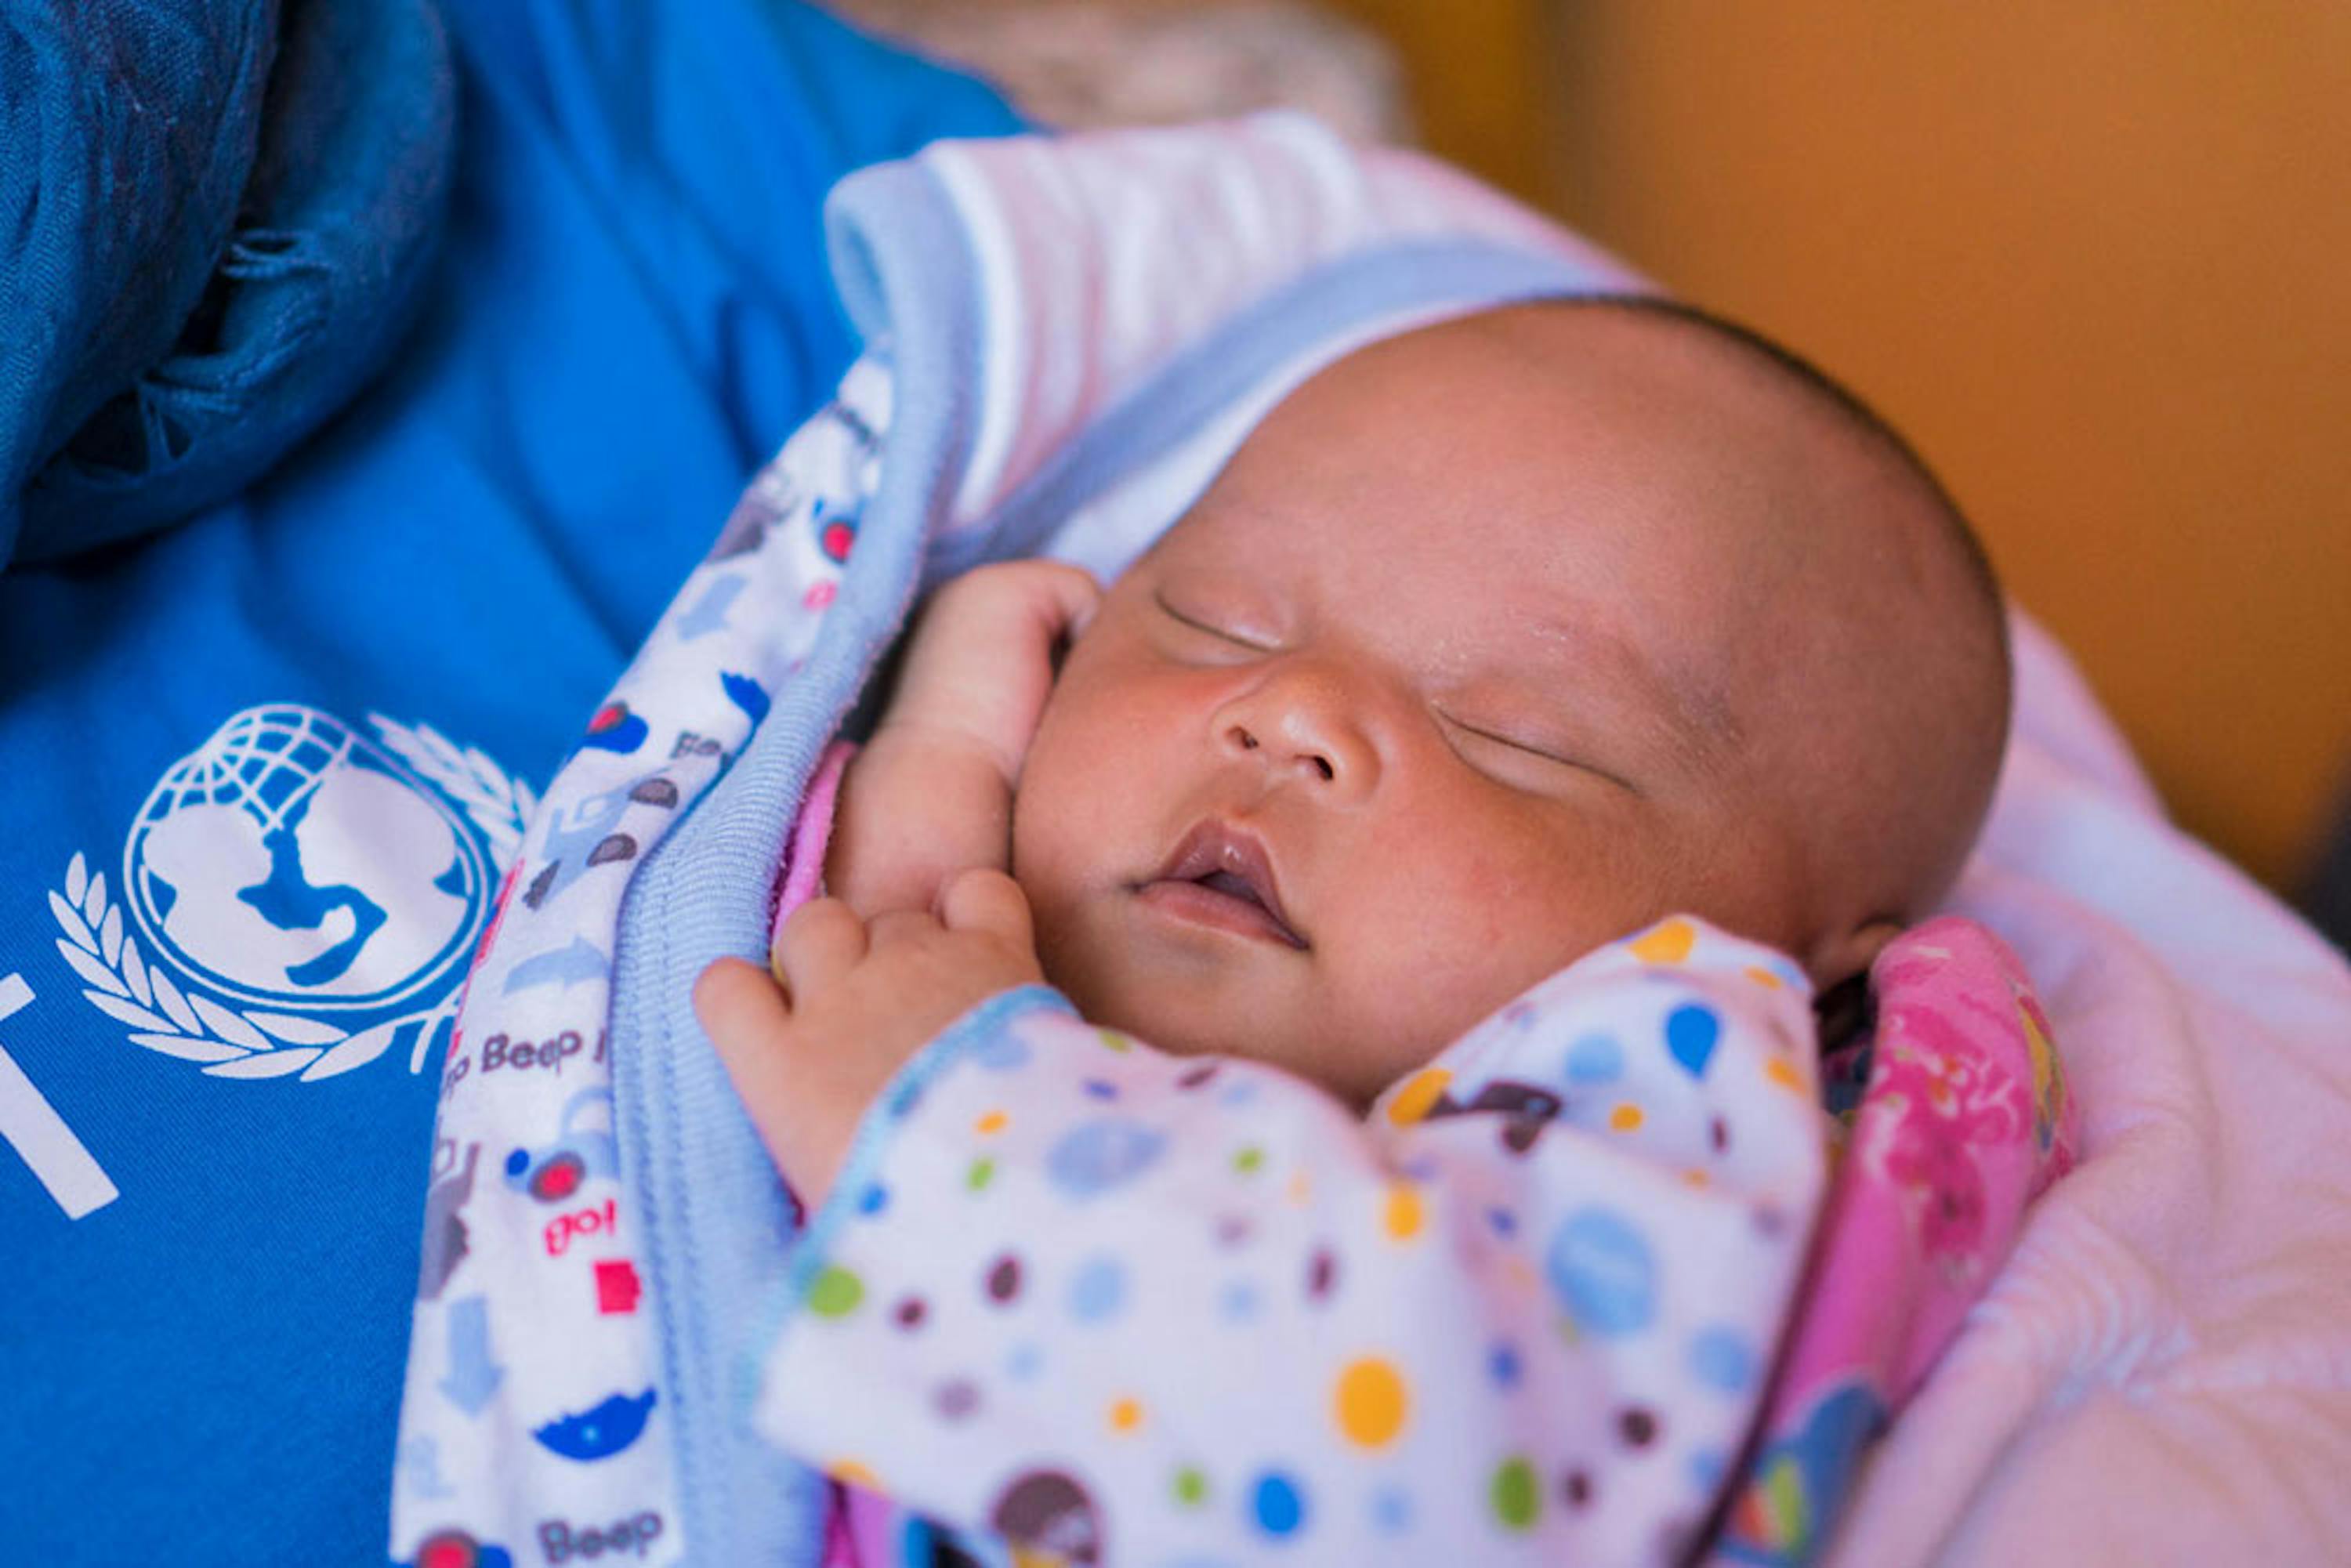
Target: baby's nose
(1300,729)
(1306,757)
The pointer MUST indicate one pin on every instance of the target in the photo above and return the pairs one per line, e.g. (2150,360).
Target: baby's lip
(1233,863)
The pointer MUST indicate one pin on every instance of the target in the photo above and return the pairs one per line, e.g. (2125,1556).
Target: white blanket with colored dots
(1119,1306)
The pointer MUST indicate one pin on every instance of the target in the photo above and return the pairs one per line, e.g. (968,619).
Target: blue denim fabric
(335,212)
(127,132)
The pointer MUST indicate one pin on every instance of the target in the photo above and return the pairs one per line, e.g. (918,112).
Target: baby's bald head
(1869,680)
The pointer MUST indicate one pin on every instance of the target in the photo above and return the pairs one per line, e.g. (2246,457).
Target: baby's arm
(931,794)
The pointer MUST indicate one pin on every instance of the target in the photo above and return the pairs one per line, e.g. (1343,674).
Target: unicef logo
(289,881)
(289,862)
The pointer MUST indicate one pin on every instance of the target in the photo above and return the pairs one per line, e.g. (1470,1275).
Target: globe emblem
(292,862)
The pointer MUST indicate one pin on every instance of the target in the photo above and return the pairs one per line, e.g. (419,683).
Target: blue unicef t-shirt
(262,771)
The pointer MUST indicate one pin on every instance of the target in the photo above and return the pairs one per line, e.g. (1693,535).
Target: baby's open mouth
(1222,877)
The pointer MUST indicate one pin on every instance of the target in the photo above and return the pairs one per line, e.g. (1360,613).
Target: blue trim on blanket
(874,1131)
(706,1194)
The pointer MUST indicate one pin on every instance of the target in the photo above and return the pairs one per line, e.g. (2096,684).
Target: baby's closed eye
(1221,625)
(1519,754)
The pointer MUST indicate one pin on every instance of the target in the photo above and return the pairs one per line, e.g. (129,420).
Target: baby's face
(1449,678)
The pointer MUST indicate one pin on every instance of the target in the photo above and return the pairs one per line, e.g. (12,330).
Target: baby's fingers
(745,1017)
(819,940)
(1071,597)
(986,900)
(738,1005)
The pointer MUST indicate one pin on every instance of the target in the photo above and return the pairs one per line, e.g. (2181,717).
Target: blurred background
(2093,258)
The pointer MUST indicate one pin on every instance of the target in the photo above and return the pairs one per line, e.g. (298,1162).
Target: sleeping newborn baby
(1537,708)
(1494,642)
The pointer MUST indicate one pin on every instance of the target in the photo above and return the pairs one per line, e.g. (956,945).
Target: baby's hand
(931,793)
(858,997)
(982,663)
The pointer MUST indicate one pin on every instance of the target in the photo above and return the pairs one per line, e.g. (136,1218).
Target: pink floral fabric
(1963,1119)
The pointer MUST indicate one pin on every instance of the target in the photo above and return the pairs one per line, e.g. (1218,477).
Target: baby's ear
(1840,972)
(1847,955)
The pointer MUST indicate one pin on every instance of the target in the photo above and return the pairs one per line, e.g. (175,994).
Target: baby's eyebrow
(1696,711)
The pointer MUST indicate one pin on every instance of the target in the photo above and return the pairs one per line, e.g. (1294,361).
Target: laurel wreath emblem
(499,805)
(123,983)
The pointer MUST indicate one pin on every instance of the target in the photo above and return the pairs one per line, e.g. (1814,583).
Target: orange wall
(2094,258)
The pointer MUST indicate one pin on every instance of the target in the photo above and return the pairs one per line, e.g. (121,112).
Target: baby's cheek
(1424,962)
(1492,920)
(1073,942)
(1052,912)
(1479,895)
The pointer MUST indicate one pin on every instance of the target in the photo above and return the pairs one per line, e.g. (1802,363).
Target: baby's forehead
(1611,465)
(1472,466)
